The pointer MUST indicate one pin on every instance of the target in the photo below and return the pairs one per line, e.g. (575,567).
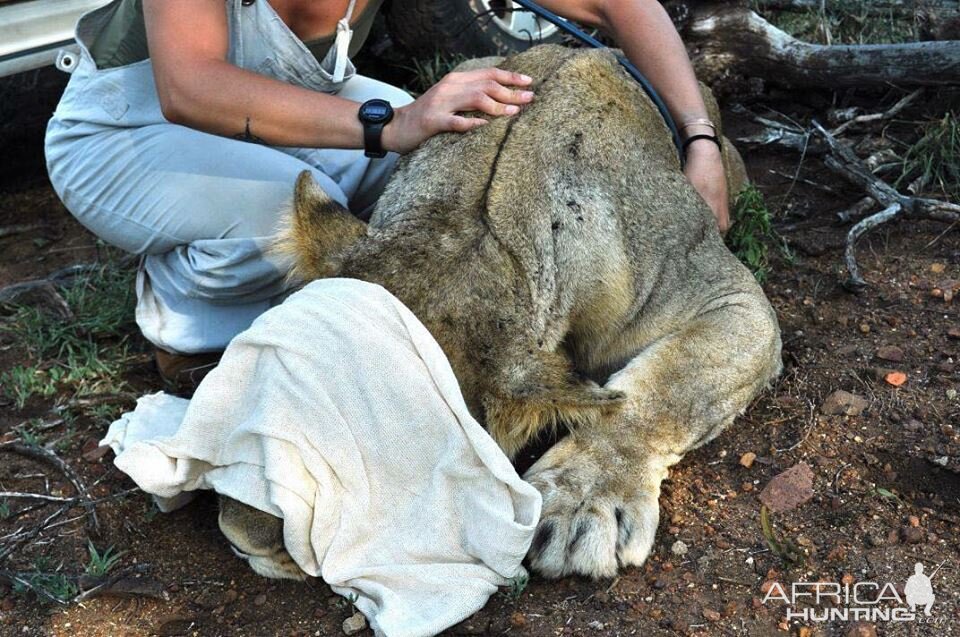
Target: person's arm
(199,88)
(644,31)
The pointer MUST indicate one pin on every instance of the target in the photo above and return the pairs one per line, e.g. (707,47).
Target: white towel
(339,412)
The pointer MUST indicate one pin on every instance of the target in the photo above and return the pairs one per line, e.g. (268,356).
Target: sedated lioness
(573,277)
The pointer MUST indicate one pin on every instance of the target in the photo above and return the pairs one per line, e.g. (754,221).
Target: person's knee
(399,97)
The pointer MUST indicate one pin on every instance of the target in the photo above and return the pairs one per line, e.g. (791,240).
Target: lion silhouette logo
(919,590)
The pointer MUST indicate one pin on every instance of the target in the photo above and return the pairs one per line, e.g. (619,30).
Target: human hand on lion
(705,171)
(441,108)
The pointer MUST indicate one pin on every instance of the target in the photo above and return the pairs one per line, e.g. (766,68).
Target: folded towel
(338,412)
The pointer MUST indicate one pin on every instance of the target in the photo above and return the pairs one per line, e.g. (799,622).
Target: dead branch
(843,161)
(14,495)
(874,6)
(735,41)
(7,231)
(48,457)
(874,118)
(856,211)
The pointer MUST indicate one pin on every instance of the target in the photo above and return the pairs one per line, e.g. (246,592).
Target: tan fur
(318,229)
(572,276)
(257,537)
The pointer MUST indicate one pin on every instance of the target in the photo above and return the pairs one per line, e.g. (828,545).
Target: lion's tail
(317,231)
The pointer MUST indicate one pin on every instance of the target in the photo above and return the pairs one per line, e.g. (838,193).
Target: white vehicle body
(33,31)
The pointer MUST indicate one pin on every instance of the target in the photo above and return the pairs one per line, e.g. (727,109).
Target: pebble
(913,521)
(844,403)
(747,459)
(890,353)
(354,624)
(260,599)
(596,625)
(518,620)
(711,615)
(912,534)
(789,489)
(679,548)
(862,629)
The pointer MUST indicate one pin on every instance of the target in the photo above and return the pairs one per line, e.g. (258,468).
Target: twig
(45,455)
(856,211)
(34,496)
(843,161)
(7,231)
(870,118)
(34,532)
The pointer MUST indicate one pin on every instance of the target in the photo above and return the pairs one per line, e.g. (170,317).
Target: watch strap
(372,144)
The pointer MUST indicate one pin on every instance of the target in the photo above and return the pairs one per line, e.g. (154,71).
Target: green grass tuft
(429,71)
(101,563)
(83,354)
(935,159)
(847,22)
(749,230)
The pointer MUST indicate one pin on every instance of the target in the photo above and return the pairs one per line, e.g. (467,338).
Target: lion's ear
(316,231)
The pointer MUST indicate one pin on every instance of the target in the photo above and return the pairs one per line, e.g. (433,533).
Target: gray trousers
(200,208)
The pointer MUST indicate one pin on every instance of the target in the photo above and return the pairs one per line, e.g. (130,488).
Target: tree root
(844,162)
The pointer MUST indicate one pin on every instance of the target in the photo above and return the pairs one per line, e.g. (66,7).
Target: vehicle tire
(471,28)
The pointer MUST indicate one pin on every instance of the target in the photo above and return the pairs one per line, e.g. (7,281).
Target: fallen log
(872,7)
(734,41)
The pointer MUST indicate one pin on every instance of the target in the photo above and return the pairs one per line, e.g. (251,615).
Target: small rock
(679,548)
(747,459)
(844,403)
(518,620)
(913,425)
(954,333)
(596,625)
(875,540)
(789,489)
(804,631)
(890,353)
(861,629)
(260,599)
(912,534)
(174,625)
(913,521)
(354,624)
(230,597)
(711,615)
(895,378)
(7,604)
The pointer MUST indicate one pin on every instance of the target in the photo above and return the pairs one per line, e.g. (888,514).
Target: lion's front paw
(599,513)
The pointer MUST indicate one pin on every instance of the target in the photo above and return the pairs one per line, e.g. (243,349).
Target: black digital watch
(374,115)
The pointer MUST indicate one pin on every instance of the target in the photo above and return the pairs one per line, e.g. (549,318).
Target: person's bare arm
(644,31)
(199,88)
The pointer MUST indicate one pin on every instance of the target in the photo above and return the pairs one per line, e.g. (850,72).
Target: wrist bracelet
(699,122)
(693,138)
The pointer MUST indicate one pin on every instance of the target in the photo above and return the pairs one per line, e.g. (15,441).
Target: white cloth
(339,412)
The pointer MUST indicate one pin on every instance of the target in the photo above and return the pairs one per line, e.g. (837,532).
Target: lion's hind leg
(601,484)
(257,537)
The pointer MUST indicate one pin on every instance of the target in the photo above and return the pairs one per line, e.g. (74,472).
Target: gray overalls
(200,208)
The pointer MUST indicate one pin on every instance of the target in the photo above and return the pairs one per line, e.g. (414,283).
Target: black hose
(569,28)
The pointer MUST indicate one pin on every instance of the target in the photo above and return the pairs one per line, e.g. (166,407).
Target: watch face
(376,111)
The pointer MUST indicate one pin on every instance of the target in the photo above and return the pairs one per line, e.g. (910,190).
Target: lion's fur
(572,275)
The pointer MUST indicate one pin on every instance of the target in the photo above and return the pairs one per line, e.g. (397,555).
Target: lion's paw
(599,514)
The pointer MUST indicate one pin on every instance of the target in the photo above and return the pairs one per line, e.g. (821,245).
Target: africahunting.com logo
(860,601)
